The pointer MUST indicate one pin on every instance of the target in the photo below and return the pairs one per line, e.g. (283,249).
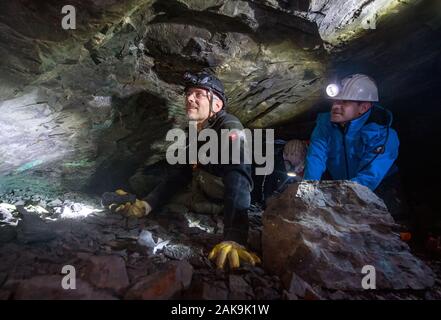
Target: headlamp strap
(211,101)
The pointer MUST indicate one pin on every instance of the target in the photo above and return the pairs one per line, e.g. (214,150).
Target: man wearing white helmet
(355,140)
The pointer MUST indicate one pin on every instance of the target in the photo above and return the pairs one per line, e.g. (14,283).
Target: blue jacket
(364,151)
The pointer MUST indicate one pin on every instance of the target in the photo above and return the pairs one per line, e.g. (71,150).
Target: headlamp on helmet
(190,78)
(206,81)
(332,90)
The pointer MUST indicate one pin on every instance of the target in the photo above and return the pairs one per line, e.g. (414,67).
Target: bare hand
(295,153)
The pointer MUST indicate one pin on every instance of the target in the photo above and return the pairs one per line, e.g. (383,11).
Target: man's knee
(211,185)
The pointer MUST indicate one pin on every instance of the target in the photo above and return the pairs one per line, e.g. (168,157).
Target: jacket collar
(212,120)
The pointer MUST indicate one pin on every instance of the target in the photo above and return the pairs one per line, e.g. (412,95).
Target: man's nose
(190,97)
(337,104)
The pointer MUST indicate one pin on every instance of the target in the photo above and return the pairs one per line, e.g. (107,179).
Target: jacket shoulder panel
(373,133)
(228,121)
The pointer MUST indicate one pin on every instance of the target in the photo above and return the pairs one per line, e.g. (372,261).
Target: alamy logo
(369,281)
(232,146)
(69,281)
(69,20)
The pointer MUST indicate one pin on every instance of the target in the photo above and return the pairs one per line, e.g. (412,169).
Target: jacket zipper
(345,129)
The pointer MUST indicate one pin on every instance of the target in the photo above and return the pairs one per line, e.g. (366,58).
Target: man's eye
(197,95)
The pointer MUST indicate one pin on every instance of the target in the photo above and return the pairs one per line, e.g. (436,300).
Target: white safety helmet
(356,87)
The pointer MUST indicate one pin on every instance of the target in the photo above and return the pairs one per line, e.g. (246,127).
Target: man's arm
(237,200)
(317,151)
(177,178)
(237,189)
(371,172)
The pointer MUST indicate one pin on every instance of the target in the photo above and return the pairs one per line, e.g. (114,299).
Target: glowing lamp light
(291,174)
(332,90)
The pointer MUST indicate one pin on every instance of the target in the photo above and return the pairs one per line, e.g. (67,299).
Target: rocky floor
(162,256)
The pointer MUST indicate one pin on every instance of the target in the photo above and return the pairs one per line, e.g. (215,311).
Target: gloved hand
(126,204)
(234,252)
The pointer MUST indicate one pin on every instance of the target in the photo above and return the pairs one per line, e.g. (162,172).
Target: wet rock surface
(173,277)
(107,272)
(48,288)
(115,257)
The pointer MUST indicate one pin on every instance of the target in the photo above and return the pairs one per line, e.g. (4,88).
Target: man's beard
(196,115)
(193,117)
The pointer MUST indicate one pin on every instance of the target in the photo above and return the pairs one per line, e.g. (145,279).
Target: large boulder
(326,232)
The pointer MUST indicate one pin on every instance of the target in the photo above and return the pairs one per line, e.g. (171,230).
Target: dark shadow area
(418,126)
(142,118)
(299,5)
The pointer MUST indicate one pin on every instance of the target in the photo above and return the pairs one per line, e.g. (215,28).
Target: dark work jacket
(236,178)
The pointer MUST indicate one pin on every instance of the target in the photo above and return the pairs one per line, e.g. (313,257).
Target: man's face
(343,111)
(197,104)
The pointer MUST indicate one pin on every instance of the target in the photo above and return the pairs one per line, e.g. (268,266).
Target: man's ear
(365,106)
(218,105)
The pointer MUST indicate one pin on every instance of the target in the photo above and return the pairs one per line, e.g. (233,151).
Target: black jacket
(236,178)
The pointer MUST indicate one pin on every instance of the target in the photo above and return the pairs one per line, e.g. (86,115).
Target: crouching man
(205,103)
(355,140)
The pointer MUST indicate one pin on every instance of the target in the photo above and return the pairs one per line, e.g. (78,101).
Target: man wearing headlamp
(230,184)
(355,140)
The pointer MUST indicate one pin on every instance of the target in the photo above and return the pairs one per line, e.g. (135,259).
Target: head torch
(332,90)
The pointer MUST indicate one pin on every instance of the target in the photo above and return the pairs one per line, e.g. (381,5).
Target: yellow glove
(234,252)
(137,209)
